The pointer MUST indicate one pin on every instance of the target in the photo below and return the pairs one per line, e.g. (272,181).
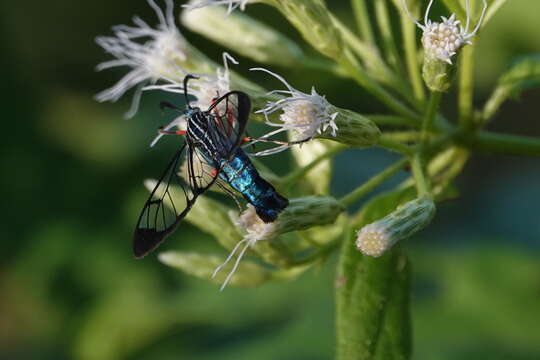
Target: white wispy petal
(254,230)
(231,4)
(151,53)
(305,115)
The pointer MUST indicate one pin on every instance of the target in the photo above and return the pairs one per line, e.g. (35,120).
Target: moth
(211,153)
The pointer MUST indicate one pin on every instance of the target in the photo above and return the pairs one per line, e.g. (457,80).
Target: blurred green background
(71,189)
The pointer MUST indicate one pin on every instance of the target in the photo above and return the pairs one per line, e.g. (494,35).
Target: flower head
(254,230)
(305,115)
(232,4)
(301,214)
(442,40)
(150,53)
(376,238)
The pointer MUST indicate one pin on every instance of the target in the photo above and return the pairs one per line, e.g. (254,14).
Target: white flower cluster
(305,115)
(442,40)
(150,53)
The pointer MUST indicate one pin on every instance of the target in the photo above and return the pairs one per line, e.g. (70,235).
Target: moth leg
(277,142)
(167,132)
(230,193)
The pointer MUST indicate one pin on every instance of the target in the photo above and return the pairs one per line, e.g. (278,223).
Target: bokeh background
(71,189)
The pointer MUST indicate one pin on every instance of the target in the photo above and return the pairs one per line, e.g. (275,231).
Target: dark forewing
(227,120)
(171,199)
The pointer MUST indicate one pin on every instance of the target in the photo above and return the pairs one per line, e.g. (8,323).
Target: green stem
(385,28)
(373,61)
(393,120)
(316,255)
(408,30)
(502,143)
(309,63)
(361,15)
(362,78)
(372,183)
(372,305)
(419,173)
(465,96)
(403,136)
(388,143)
(431,111)
(297,174)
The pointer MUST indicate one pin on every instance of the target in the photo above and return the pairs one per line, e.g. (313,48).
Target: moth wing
(171,199)
(227,121)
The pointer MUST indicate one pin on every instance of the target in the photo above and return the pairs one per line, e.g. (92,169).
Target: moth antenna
(186,79)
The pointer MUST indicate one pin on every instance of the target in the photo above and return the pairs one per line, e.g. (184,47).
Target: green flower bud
(302,213)
(438,74)
(312,19)
(247,274)
(306,212)
(242,34)
(376,238)
(353,129)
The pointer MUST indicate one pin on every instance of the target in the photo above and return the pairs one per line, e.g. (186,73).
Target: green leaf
(522,75)
(372,293)
(248,274)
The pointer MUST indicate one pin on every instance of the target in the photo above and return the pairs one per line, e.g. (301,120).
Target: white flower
(232,4)
(211,87)
(206,90)
(373,240)
(443,40)
(254,230)
(150,53)
(305,115)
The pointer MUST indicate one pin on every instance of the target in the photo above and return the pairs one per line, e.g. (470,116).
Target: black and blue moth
(213,154)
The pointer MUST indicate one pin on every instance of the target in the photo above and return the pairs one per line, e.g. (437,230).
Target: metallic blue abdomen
(240,173)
